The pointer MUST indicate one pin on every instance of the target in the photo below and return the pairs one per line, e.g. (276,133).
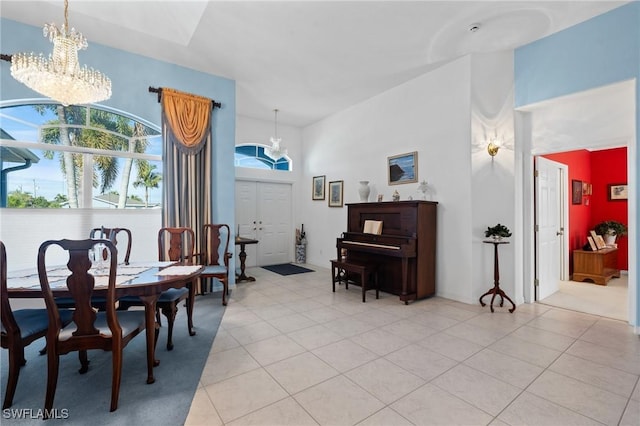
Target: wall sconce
(492,148)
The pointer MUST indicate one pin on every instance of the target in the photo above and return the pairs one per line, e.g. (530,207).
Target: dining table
(143,279)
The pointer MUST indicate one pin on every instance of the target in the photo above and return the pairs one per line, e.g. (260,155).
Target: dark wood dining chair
(174,244)
(216,257)
(110,330)
(19,329)
(111,234)
(99,233)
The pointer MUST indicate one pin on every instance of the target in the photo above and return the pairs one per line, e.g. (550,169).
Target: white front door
(246,219)
(549,225)
(263,212)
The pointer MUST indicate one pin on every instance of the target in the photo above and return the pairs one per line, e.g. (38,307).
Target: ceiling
(310,59)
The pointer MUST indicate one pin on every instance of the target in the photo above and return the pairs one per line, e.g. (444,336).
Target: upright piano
(405,251)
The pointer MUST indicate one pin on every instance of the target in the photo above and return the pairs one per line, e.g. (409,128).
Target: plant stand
(496,279)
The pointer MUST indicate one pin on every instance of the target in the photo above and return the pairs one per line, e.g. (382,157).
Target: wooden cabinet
(598,266)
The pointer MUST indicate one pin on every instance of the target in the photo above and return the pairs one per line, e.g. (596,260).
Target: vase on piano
(364,191)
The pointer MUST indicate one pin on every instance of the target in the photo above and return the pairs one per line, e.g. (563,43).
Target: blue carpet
(87,397)
(287,269)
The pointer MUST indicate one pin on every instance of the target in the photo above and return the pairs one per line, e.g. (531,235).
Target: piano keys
(405,252)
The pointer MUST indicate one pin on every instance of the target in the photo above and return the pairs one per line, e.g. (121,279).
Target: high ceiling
(308,59)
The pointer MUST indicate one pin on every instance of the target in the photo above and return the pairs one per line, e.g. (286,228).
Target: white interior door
(274,223)
(550,227)
(263,212)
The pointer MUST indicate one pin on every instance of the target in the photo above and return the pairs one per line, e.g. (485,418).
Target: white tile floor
(291,352)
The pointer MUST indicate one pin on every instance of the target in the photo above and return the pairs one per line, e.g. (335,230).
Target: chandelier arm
(5,57)
(66,14)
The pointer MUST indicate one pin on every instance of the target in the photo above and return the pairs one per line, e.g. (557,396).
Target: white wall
(23,230)
(492,91)
(430,114)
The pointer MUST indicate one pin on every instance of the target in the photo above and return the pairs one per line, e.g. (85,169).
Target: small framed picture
(592,244)
(617,192)
(317,190)
(403,168)
(586,188)
(335,193)
(576,192)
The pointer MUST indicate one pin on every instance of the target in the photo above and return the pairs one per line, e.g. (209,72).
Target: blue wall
(131,75)
(598,52)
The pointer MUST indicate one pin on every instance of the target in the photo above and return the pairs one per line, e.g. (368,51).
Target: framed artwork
(403,168)
(586,188)
(617,192)
(335,193)
(317,188)
(592,244)
(576,192)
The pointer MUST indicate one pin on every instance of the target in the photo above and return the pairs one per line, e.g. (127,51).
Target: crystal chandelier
(60,76)
(275,152)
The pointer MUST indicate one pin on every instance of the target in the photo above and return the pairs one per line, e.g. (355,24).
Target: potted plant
(497,232)
(610,229)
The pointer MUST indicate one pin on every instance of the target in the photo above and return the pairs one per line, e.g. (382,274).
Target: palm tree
(138,144)
(93,128)
(147,178)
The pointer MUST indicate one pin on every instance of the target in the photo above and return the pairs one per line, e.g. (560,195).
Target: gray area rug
(86,398)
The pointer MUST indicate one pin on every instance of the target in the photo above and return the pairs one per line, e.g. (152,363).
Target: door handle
(559,233)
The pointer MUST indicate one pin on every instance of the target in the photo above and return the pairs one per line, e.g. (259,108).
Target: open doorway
(586,207)
(593,120)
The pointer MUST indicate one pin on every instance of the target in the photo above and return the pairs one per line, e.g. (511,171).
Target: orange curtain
(189,119)
(187,161)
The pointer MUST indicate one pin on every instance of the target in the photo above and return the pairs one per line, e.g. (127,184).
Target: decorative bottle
(364,191)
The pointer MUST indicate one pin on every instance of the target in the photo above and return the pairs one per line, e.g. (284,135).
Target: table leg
(152,329)
(191,285)
(243,258)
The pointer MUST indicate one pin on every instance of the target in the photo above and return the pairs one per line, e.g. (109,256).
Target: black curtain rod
(158,90)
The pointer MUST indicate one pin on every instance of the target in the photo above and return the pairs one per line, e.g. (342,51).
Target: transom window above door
(253,157)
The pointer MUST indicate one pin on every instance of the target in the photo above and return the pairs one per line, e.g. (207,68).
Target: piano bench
(365,270)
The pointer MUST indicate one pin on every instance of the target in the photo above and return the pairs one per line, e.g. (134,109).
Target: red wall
(607,167)
(599,168)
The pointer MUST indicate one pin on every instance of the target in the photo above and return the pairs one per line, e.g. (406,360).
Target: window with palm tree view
(54,156)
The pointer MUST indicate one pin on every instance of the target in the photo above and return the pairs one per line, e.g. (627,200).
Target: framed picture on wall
(403,168)
(617,192)
(576,191)
(335,193)
(317,190)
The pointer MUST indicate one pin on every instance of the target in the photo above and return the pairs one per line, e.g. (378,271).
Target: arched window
(253,156)
(82,156)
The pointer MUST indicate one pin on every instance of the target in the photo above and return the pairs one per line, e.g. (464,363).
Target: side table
(496,279)
(242,242)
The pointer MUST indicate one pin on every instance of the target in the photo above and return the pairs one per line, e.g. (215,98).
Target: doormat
(287,269)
